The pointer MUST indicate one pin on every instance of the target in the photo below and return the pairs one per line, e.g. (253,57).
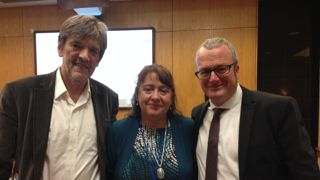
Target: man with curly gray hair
(53,126)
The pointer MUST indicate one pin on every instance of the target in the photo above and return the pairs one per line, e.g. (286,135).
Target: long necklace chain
(152,148)
(154,153)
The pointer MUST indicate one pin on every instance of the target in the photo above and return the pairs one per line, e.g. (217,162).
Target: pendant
(160,173)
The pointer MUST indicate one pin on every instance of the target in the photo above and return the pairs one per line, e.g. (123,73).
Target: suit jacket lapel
(198,114)
(42,101)
(246,119)
(99,107)
(198,117)
(100,111)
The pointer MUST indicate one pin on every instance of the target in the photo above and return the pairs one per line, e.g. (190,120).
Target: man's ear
(236,71)
(60,50)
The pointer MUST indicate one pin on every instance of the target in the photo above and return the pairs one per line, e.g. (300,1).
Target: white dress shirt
(72,143)
(228,166)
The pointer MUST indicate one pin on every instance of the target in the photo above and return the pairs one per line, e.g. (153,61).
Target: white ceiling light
(93,11)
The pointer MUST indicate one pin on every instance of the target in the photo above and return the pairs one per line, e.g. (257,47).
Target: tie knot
(217,112)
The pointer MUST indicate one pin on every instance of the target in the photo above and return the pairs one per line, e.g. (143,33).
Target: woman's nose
(155,94)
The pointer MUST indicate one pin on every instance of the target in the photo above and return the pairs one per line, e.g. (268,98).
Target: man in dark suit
(261,135)
(53,126)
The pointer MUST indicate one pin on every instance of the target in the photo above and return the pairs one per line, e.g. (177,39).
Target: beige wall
(180,25)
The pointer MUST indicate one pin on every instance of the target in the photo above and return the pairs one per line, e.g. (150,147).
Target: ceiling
(89,7)
(19,3)
(62,3)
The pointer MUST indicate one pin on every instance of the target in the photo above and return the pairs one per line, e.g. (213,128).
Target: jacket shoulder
(122,125)
(184,120)
(266,97)
(99,87)
(197,110)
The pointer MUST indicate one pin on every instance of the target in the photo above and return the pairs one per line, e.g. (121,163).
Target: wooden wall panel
(43,18)
(12,65)
(155,13)
(10,22)
(185,44)
(28,56)
(190,15)
(163,49)
(249,13)
(214,14)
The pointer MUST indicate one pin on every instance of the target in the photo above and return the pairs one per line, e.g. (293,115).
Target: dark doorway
(288,55)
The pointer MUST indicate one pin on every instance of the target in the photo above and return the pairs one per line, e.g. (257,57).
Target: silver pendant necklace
(160,171)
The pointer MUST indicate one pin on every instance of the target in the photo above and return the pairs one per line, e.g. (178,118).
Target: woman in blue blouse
(154,141)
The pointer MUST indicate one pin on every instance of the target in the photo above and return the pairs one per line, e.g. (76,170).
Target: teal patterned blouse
(128,157)
(142,162)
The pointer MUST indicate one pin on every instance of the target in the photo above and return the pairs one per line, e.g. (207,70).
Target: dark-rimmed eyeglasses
(219,71)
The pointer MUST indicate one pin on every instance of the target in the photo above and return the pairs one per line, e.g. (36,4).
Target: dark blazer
(273,143)
(122,135)
(25,113)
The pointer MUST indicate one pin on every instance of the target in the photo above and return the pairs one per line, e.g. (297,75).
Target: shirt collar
(60,88)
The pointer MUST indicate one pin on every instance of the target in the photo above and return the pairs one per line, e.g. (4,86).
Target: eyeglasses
(219,71)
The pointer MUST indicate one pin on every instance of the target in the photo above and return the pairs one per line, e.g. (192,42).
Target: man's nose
(213,75)
(84,54)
